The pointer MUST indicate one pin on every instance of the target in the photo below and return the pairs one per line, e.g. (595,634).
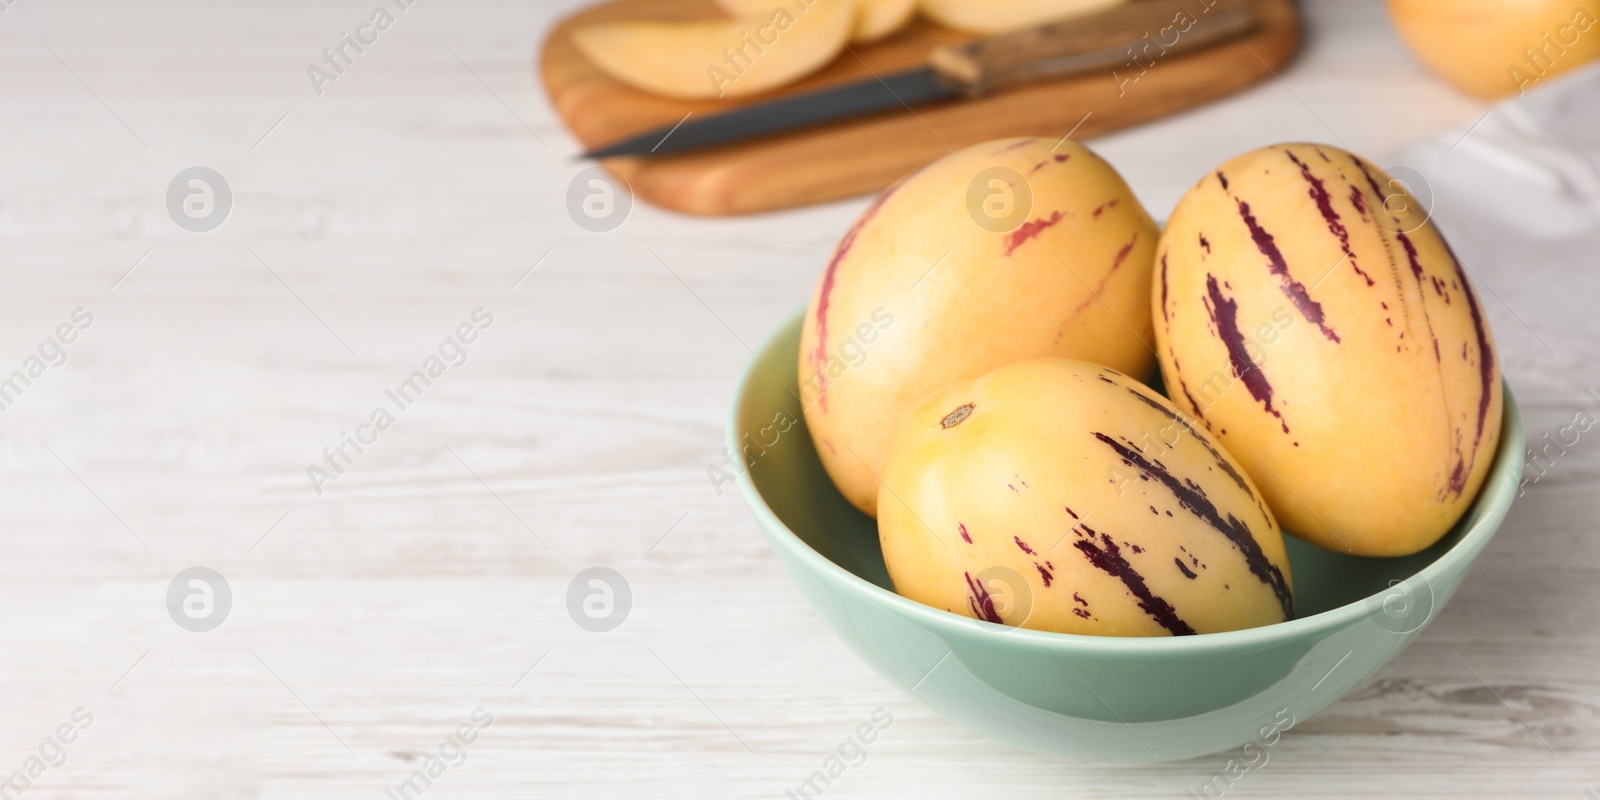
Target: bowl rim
(1459,556)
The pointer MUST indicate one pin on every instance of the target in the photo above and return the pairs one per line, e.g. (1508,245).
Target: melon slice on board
(1001,16)
(875,19)
(721,58)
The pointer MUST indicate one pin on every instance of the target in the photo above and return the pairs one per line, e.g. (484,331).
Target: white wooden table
(368,621)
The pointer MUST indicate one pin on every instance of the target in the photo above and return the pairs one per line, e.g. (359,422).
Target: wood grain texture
(415,189)
(861,156)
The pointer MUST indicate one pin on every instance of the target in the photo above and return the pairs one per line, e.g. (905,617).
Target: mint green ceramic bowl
(1086,696)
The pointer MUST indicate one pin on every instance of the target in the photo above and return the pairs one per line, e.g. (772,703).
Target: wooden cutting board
(861,156)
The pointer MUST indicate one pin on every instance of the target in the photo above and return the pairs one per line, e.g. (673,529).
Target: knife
(1132,37)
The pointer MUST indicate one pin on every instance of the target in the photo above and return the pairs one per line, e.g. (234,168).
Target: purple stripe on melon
(1028,230)
(1359,200)
(1197,411)
(1164,315)
(1293,289)
(1193,499)
(1416,270)
(1045,574)
(1486,363)
(1099,289)
(1319,195)
(1225,314)
(1360,203)
(1057,158)
(1221,462)
(980,602)
(1177,372)
(1373,183)
(1023,545)
(1184,569)
(819,356)
(1107,557)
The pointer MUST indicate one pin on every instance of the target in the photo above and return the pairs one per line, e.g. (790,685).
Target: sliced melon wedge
(989,17)
(722,58)
(875,19)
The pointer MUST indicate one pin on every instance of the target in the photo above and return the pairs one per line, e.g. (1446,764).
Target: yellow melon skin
(1062,496)
(1492,48)
(1002,252)
(1311,316)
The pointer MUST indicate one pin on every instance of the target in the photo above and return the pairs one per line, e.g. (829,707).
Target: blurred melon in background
(1493,48)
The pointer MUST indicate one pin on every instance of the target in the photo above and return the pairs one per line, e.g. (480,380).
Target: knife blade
(1102,40)
(912,88)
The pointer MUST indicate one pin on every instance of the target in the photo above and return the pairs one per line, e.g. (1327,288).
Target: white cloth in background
(1517,193)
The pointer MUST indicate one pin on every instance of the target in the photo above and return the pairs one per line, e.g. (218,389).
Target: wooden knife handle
(1127,39)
